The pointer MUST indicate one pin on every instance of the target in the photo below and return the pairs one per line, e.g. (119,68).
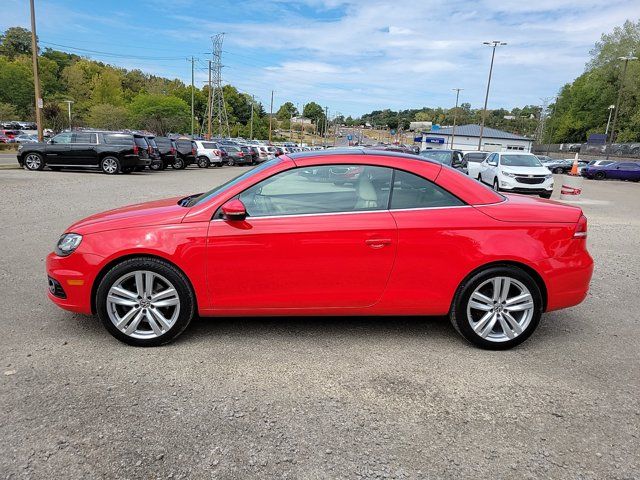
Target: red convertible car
(402,235)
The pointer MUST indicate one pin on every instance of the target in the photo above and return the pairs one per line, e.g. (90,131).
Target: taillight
(173,151)
(240,154)
(150,149)
(135,149)
(193,152)
(581,228)
(217,153)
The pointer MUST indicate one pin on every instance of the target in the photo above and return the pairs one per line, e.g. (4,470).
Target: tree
(8,111)
(316,113)
(286,111)
(107,88)
(16,85)
(15,41)
(159,113)
(107,116)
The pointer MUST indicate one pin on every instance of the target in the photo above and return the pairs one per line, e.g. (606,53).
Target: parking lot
(310,398)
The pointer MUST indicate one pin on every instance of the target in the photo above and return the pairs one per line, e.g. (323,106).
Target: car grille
(531,179)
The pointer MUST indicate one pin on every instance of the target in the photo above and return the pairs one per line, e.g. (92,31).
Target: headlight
(508,174)
(67,244)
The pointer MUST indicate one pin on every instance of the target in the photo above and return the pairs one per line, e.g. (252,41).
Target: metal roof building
(467,136)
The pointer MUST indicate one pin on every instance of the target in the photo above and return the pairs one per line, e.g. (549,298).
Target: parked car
(10,134)
(144,150)
(264,153)
(111,152)
(452,158)
(422,239)
(5,139)
(563,165)
(167,150)
(186,151)
(235,156)
(516,172)
(26,139)
(209,153)
(255,154)
(154,153)
(626,149)
(473,159)
(613,170)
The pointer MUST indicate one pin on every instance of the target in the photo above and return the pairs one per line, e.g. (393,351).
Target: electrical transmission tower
(216,109)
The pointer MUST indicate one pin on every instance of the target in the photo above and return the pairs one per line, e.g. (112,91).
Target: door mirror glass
(234,210)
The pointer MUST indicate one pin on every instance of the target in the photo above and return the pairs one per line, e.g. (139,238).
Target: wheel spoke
(504,288)
(169,302)
(152,322)
(487,330)
(134,324)
(123,292)
(483,321)
(140,283)
(125,320)
(148,283)
(121,301)
(522,302)
(169,292)
(161,319)
(505,328)
(497,282)
(513,323)
(480,302)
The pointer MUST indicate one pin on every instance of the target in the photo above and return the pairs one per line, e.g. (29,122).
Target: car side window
(629,166)
(412,191)
(83,138)
(493,159)
(62,138)
(320,189)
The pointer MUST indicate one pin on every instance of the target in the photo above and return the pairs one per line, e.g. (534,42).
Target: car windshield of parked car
(520,161)
(475,157)
(441,157)
(225,186)
(230,148)
(209,145)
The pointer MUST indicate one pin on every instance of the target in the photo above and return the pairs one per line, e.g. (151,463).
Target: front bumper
(70,280)
(509,184)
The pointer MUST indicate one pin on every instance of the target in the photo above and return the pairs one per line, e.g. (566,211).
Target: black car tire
(155,165)
(158,266)
(599,175)
(459,315)
(110,165)
(558,170)
(545,195)
(33,161)
(203,162)
(178,164)
(231,162)
(496,187)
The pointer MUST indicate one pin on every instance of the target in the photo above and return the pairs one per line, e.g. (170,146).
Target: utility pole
(270,116)
(192,95)
(455,114)
(251,127)
(493,44)
(325,125)
(36,76)
(69,102)
(210,105)
(302,126)
(615,115)
(218,107)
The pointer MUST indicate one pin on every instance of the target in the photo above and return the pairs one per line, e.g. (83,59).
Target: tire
(155,166)
(600,176)
(480,178)
(545,195)
(110,165)
(145,325)
(178,164)
(558,170)
(34,161)
(203,162)
(231,162)
(496,187)
(493,329)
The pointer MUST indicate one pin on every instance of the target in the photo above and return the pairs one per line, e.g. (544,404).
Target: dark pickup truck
(111,152)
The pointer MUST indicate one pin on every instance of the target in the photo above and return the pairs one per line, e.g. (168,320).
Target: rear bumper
(569,284)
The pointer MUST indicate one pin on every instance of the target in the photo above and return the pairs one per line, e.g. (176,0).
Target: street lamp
(626,61)
(493,44)
(69,102)
(611,107)
(455,114)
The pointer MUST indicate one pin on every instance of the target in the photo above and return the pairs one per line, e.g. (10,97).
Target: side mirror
(234,210)
(51,141)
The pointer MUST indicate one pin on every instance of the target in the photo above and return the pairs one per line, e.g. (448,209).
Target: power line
(113,54)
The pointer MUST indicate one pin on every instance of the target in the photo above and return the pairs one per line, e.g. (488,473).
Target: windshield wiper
(186,201)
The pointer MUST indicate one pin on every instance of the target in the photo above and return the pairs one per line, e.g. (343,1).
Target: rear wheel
(203,162)
(34,161)
(231,162)
(110,165)
(156,165)
(497,308)
(558,170)
(145,302)
(600,176)
(178,164)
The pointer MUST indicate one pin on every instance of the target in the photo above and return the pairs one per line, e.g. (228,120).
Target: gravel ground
(309,398)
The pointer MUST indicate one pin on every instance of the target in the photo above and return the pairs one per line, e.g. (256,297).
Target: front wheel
(110,165)
(178,164)
(145,302)
(497,308)
(203,162)
(156,165)
(231,162)
(600,176)
(558,170)
(34,161)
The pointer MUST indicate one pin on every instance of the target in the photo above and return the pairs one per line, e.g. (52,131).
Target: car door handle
(377,243)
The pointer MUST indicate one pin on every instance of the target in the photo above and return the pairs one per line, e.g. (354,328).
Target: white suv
(516,172)
(209,153)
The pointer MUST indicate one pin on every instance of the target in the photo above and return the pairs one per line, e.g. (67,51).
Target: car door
(488,169)
(58,148)
(83,151)
(628,171)
(307,243)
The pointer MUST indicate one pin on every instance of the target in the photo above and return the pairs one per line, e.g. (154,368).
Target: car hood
(158,212)
(526,170)
(521,208)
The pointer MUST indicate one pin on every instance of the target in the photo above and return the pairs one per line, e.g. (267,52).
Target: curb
(10,167)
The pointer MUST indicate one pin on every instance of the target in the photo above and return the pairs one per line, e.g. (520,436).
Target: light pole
(455,114)
(611,107)
(615,115)
(493,44)
(36,76)
(69,102)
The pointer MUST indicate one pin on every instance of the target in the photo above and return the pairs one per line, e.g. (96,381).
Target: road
(309,398)
(7,159)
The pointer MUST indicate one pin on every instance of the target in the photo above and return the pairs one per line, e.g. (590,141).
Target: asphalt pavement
(309,398)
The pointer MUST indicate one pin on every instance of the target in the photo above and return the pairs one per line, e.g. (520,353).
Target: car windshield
(520,161)
(438,156)
(209,145)
(221,188)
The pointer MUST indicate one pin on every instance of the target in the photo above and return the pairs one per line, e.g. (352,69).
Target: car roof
(356,151)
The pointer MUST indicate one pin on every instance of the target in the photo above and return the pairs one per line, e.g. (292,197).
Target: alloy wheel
(33,161)
(143,304)
(109,165)
(500,309)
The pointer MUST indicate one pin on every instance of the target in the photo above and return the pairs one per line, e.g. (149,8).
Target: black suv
(112,152)
(154,153)
(167,149)
(186,151)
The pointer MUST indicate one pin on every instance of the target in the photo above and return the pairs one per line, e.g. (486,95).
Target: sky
(352,56)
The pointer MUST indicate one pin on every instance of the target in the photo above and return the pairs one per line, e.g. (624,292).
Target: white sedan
(516,172)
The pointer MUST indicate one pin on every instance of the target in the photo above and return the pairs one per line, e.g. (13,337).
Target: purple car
(617,170)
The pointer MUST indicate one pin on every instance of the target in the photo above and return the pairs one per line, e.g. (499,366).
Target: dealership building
(466,138)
